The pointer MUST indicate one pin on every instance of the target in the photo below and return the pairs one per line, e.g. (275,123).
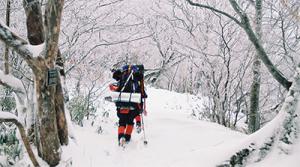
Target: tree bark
(254,117)
(36,36)
(60,116)
(6,52)
(34,22)
(47,113)
(46,125)
(52,28)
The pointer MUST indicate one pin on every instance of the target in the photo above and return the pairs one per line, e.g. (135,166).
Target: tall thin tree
(254,121)
(6,52)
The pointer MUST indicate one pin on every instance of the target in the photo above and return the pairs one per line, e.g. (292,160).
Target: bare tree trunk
(254,117)
(35,35)
(51,123)
(60,109)
(46,124)
(6,52)
(60,103)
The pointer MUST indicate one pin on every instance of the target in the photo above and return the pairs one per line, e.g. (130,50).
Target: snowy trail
(174,141)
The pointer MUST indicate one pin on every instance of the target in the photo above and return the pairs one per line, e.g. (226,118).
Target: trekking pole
(143,124)
(144,133)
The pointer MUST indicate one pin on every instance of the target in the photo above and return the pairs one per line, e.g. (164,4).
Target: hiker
(129,99)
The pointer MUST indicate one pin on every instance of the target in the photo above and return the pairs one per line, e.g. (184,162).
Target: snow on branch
(214,10)
(8,115)
(19,44)
(244,23)
(11,82)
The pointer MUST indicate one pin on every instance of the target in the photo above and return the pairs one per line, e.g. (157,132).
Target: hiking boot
(127,138)
(138,127)
(122,142)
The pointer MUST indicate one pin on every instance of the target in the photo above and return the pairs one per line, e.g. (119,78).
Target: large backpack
(130,84)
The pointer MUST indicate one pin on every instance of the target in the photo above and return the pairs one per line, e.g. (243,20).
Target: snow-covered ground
(174,138)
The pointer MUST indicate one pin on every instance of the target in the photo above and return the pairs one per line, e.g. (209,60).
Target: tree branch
(105,44)
(214,10)
(11,82)
(245,24)
(14,41)
(259,48)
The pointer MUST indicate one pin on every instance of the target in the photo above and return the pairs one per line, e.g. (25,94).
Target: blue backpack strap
(125,68)
(134,68)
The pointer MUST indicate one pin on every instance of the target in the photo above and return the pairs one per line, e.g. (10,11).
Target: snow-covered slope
(174,139)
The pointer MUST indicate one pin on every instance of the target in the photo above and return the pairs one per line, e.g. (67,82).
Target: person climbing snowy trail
(174,139)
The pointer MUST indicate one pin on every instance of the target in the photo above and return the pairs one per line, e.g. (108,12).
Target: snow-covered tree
(285,130)
(253,115)
(40,53)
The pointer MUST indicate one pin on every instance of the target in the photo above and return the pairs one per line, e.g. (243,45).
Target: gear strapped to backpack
(130,85)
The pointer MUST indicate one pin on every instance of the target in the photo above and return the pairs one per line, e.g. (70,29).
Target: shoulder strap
(130,75)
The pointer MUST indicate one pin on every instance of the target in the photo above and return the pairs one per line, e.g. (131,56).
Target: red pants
(126,123)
